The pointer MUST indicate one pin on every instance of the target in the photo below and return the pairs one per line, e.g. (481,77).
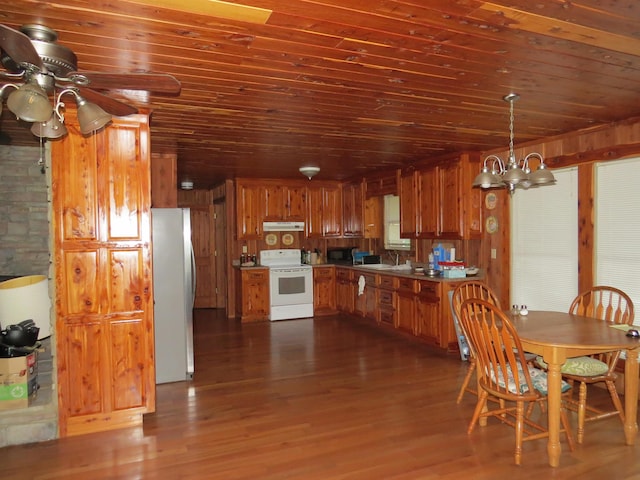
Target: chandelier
(514,173)
(29,102)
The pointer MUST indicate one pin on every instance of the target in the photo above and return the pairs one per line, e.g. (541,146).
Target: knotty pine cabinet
(387,300)
(324,290)
(252,288)
(406,305)
(345,290)
(101,228)
(324,211)
(251,210)
(353,210)
(439,202)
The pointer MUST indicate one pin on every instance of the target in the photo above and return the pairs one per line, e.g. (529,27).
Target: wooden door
(203,240)
(220,254)
(103,276)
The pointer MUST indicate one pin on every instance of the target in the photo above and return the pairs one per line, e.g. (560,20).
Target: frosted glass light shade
(25,298)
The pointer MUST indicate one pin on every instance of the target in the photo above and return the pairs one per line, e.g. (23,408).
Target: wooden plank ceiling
(351,85)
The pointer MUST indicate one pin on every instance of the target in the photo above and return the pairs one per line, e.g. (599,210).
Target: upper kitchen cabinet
(284,202)
(251,208)
(381,184)
(324,211)
(353,210)
(438,201)
(409,203)
(460,204)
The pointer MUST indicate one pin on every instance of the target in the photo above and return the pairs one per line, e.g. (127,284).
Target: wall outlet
(244,249)
(494,253)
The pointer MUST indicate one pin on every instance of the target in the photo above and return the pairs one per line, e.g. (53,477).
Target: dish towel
(361,283)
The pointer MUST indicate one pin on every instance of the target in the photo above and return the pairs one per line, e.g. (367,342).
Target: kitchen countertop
(405,272)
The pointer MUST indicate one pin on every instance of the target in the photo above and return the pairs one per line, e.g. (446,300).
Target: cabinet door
(274,202)
(331,211)
(429,212)
(428,312)
(406,305)
(353,210)
(104,319)
(251,207)
(408,202)
(451,201)
(313,223)
(295,203)
(255,304)
(324,291)
(345,290)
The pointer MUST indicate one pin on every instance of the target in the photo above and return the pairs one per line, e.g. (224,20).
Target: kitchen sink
(384,266)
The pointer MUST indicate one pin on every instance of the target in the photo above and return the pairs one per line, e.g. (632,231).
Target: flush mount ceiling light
(514,173)
(309,171)
(186,185)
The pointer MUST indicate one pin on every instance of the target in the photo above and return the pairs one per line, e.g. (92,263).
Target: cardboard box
(18,381)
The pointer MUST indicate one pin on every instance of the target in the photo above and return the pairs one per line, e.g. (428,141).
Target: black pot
(23,334)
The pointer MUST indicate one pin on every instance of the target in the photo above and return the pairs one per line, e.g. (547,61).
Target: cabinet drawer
(388,281)
(386,297)
(370,279)
(344,274)
(387,316)
(407,284)
(322,272)
(429,288)
(257,274)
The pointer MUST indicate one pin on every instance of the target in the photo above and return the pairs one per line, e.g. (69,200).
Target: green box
(18,381)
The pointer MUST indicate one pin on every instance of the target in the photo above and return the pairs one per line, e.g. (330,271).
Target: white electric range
(290,284)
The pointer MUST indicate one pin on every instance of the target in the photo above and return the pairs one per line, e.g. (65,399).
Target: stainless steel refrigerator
(174,285)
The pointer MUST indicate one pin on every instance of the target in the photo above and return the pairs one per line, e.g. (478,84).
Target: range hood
(283,226)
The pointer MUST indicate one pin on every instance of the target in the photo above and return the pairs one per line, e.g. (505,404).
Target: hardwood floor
(328,398)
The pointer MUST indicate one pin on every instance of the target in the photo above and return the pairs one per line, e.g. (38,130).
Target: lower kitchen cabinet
(406,305)
(411,305)
(345,290)
(253,294)
(324,290)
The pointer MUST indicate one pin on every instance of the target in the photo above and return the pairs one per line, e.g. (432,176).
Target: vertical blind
(617,224)
(544,244)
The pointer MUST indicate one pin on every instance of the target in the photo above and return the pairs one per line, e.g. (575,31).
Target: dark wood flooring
(330,398)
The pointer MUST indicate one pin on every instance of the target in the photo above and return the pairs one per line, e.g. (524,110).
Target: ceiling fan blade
(108,104)
(151,82)
(19,47)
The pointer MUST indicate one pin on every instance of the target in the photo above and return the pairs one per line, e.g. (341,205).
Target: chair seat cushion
(583,366)
(538,378)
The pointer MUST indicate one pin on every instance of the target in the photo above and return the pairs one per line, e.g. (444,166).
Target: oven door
(291,285)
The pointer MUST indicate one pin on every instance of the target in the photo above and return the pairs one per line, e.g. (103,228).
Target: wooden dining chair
(465,291)
(505,374)
(612,306)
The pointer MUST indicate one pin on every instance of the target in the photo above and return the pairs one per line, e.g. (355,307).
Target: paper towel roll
(25,298)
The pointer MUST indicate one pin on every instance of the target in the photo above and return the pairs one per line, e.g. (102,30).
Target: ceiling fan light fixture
(30,103)
(90,116)
(309,171)
(52,128)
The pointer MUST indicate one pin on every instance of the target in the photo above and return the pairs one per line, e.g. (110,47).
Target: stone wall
(24,250)
(24,225)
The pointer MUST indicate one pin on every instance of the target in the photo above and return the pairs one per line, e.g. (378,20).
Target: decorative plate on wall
(287,239)
(271,239)
(491,200)
(491,224)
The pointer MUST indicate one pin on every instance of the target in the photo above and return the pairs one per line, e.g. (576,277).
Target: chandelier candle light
(514,173)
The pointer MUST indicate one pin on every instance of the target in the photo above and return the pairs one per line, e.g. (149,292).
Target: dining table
(557,336)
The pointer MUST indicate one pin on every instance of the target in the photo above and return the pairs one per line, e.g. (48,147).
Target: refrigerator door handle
(193,276)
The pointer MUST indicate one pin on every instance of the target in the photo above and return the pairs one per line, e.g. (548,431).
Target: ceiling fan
(44,67)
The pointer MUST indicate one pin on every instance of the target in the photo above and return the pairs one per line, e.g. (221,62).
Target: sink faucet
(396,255)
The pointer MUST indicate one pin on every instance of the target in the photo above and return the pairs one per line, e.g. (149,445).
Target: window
(392,240)
(544,244)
